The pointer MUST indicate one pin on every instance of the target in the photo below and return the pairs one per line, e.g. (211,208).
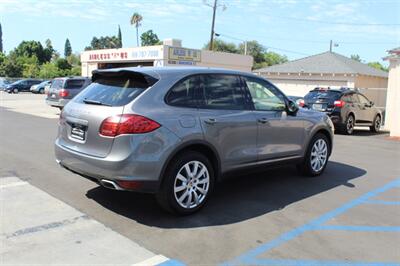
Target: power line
(336,22)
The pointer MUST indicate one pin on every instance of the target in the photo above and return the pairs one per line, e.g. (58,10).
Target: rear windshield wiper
(95,102)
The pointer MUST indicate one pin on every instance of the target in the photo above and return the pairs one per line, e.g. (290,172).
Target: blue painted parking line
(289,262)
(359,228)
(382,202)
(250,257)
(171,263)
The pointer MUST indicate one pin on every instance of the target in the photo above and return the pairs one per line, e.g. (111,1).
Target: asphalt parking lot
(348,216)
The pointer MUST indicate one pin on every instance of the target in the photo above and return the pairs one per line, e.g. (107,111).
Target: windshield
(113,91)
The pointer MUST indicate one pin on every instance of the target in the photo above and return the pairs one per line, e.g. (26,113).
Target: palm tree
(135,20)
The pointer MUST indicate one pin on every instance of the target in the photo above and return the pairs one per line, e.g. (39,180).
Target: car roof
(159,72)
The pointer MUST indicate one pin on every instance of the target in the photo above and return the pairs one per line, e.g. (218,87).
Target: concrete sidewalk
(37,228)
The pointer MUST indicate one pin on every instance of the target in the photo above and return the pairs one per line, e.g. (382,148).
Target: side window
(183,93)
(347,98)
(355,98)
(363,99)
(74,84)
(265,96)
(222,92)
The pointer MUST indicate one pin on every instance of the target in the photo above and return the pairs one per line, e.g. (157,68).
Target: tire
(41,91)
(15,91)
(348,127)
(182,197)
(376,125)
(316,158)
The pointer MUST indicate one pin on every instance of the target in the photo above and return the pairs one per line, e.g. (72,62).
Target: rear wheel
(41,91)
(187,184)
(377,124)
(316,158)
(348,127)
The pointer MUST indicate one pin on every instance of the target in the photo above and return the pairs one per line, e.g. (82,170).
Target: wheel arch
(200,146)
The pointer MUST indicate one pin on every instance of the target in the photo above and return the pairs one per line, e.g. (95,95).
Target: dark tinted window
(329,95)
(74,83)
(114,91)
(222,92)
(183,93)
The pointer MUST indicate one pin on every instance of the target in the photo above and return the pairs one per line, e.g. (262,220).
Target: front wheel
(316,157)
(187,184)
(376,125)
(15,91)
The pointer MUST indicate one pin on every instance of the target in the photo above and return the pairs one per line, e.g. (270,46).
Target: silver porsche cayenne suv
(175,132)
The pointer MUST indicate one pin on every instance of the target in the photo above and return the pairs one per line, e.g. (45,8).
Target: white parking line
(152,261)
(37,228)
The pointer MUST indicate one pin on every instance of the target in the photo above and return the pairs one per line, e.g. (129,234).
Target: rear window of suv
(329,95)
(74,83)
(114,91)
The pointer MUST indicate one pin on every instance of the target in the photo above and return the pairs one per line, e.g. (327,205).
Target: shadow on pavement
(234,200)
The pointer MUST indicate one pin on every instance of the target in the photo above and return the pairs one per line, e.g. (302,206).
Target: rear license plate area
(318,107)
(78,132)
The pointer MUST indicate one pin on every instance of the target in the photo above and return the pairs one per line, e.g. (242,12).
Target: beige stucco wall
(363,81)
(299,84)
(226,60)
(392,120)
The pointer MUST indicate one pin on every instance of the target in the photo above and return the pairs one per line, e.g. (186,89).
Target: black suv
(346,107)
(22,85)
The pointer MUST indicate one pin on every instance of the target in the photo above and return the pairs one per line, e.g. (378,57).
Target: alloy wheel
(319,155)
(350,125)
(191,184)
(377,123)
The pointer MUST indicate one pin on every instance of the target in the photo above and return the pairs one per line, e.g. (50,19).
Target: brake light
(301,103)
(129,184)
(339,104)
(63,93)
(127,124)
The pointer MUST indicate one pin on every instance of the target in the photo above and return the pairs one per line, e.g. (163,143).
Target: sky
(296,28)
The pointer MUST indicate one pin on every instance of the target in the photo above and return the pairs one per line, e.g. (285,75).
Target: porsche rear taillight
(127,124)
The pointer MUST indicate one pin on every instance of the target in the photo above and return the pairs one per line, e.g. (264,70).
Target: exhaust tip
(110,184)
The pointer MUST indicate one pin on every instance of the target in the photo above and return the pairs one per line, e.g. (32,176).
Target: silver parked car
(176,131)
(62,90)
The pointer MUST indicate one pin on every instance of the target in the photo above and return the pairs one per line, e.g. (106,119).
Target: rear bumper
(137,159)
(57,103)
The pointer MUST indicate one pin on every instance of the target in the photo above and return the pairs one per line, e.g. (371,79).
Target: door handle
(262,120)
(210,121)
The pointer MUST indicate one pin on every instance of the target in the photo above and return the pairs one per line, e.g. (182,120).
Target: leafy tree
(222,46)
(67,48)
(30,66)
(119,37)
(29,49)
(149,38)
(74,60)
(48,51)
(378,65)
(256,50)
(135,20)
(76,71)
(356,57)
(272,58)
(49,71)
(11,68)
(106,42)
(63,64)
(1,39)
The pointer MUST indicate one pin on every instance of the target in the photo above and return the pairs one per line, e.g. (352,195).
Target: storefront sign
(123,55)
(178,53)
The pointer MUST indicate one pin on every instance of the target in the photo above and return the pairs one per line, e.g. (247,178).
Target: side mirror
(292,107)
(371,103)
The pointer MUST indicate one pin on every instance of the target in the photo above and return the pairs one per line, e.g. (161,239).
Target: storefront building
(170,53)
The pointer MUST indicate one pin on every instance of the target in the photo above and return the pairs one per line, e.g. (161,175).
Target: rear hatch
(54,90)
(106,97)
(321,100)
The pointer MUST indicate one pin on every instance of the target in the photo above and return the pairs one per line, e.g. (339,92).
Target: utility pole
(212,26)
(245,47)
(330,46)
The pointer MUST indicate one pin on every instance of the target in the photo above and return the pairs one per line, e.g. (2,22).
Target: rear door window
(222,92)
(114,91)
(74,83)
(183,93)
